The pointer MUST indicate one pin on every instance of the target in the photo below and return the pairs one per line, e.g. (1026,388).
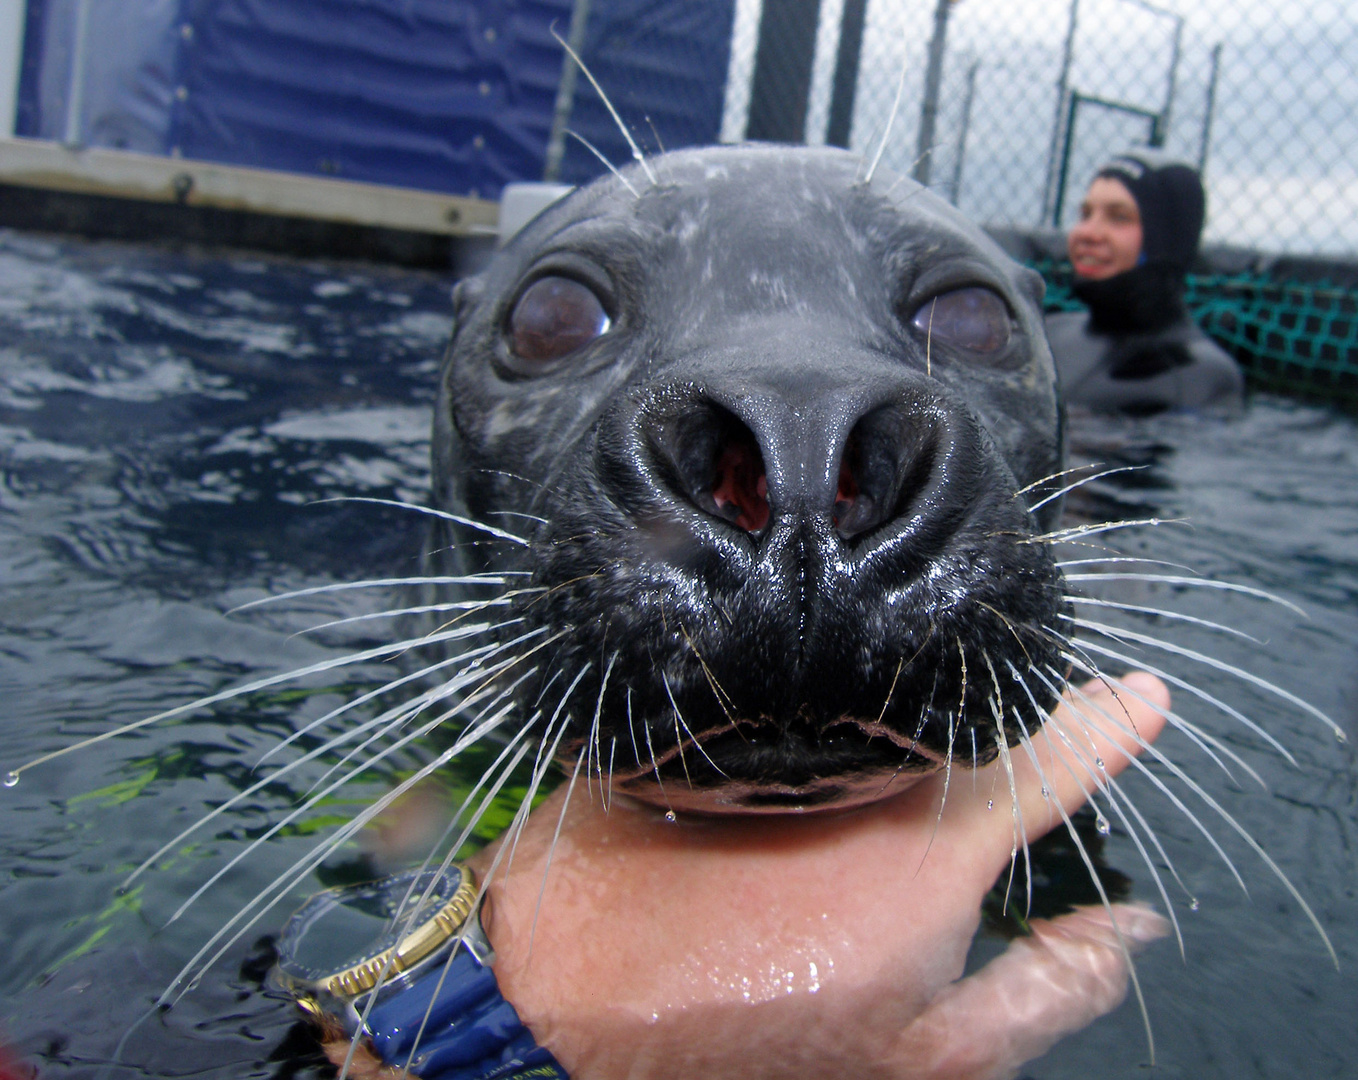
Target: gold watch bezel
(423,940)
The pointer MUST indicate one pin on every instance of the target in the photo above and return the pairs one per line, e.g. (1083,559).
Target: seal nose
(782,461)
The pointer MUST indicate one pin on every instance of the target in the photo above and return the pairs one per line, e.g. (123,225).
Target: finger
(1071,971)
(1092,736)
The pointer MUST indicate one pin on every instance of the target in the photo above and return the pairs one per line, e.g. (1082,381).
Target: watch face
(344,928)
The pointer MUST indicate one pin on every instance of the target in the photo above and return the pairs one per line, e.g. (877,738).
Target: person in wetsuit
(1137,350)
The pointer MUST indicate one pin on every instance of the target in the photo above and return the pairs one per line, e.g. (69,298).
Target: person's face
(1107,238)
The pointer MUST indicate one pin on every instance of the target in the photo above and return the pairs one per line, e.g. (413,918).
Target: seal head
(772,432)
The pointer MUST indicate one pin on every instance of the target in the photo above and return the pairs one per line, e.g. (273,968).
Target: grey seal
(771,429)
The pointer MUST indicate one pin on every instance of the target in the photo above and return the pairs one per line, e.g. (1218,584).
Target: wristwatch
(422,991)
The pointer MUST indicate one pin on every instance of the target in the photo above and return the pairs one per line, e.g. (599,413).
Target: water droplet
(990,804)
(1341,736)
(1098,763)
(671,816)
(1103,826)
(11,779)
(1016,676)
(1045,793)
(1193,904)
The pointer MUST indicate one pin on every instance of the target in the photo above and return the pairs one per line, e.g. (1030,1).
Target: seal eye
(554,317)
(972,318)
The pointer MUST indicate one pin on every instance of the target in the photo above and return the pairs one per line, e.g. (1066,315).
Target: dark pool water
(170,424)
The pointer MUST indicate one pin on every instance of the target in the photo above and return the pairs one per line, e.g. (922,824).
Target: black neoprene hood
(1170,198)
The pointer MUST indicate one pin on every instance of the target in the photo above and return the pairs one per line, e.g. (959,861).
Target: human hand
(812,945)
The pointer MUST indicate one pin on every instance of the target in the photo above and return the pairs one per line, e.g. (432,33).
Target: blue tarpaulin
(436,94)
(663,64)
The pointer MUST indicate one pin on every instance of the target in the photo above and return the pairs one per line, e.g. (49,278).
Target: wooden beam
(36,163)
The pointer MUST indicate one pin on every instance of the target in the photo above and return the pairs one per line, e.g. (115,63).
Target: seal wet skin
(771,430)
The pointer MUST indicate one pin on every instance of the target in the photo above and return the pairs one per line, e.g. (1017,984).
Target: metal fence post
(933,77)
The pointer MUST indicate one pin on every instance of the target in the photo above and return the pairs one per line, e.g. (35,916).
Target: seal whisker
(1015,820)
(1191,730)
(929,342)
(1117,798)
(499,577)
(943,798)
(892,689)
(1049,477)
(890,123)
(513,830)
(1068,488)
(473,735)
(1096,771)
(308,803)
(655,765)
(925,711)
(1164,613)
(543,761)
(724,700)
(610,166)
(1009,625)
(1114,785)
(1195,583)
(471,661)
(1226,817)
(592,741)
(679,739)
(282,884)
(1103,559)
(534,518)
(612,749)
(473,669)
(1095,880)
(377,652)
(1117,634)
(370,695)
(1065,536)
(1020,833)
(471,823)
(551,848)
(442,515)
(466,607)
(632,730)
(400,716)
(639,157)
(901,664)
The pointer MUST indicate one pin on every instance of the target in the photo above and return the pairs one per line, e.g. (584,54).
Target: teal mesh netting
(1292,337)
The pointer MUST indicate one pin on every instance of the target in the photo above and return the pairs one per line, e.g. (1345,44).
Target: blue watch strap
(470,1033)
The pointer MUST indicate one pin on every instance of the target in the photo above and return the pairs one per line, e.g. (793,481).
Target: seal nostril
(712,461)
(855,509)
(740,487)
(887,462)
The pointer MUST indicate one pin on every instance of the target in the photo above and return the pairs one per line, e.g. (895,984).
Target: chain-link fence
(1007,106)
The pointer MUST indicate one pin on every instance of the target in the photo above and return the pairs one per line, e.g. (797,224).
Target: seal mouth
(753,767)
(765,754)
